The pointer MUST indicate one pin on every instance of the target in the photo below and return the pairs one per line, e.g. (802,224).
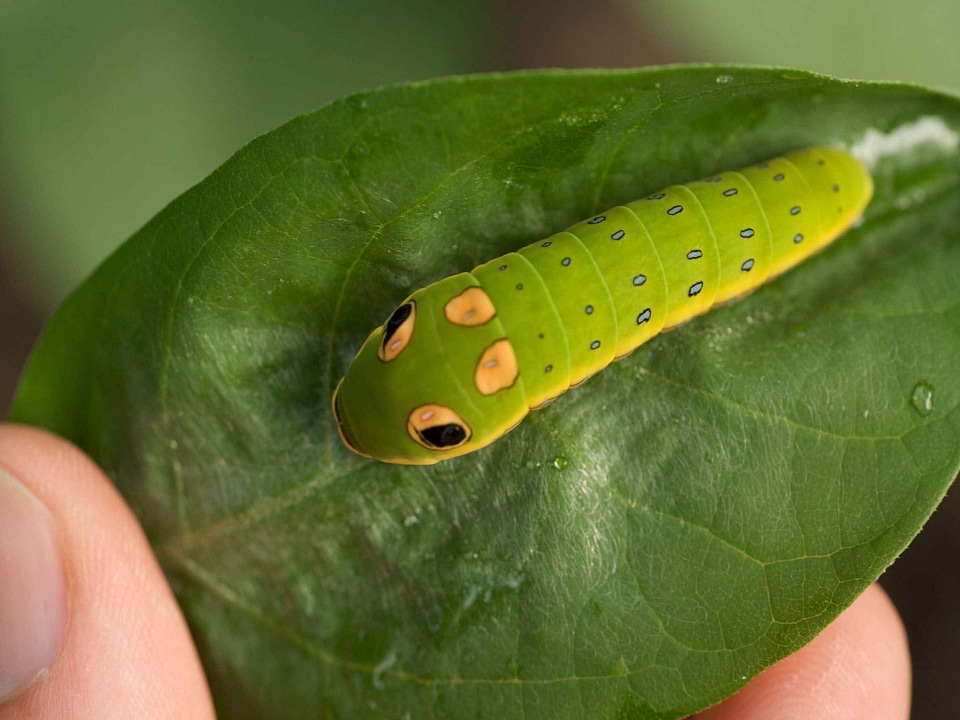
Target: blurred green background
(110,109)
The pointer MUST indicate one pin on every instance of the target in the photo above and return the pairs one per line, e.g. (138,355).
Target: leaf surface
(640,548)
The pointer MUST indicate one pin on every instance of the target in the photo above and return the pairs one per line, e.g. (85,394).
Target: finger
(857,668)
(88,625)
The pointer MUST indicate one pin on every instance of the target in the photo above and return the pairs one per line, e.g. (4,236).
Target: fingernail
(33,589)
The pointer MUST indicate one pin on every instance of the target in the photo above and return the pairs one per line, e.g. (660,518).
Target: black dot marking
(397,319)
(731,192)
(694,254)
(643,317)
(548,368)
(746,233)
(595,344)
(618,235)
(639,280)
(441,436)
(675,210)
(795,210)
(502,268)
(778,177)
(763,165)
(565,261)
(695,289)
(658,196)
(715,178)
(596,221)
(519,286)
(798,238)
(546,244)
(747,265)
(819,162)
(588,309)
(836,188)
(540,335)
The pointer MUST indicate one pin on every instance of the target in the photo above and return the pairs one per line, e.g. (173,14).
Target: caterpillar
(461,362)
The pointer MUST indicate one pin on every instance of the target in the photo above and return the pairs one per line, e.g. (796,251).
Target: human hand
(89,627)
(858,668)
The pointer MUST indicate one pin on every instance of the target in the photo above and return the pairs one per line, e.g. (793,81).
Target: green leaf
(640,548)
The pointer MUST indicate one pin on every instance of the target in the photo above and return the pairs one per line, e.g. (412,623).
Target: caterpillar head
(438,379)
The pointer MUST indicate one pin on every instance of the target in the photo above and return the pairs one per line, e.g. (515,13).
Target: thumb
(88,625)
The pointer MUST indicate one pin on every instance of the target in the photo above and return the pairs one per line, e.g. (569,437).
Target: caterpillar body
(461,362)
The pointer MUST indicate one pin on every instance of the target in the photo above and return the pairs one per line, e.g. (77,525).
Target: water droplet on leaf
(923,398)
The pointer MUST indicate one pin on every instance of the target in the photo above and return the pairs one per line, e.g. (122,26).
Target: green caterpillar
(462,361)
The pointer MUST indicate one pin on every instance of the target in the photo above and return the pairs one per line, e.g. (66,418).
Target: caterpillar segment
(461,362)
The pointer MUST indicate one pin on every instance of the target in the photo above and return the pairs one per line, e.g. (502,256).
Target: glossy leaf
(640,548)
